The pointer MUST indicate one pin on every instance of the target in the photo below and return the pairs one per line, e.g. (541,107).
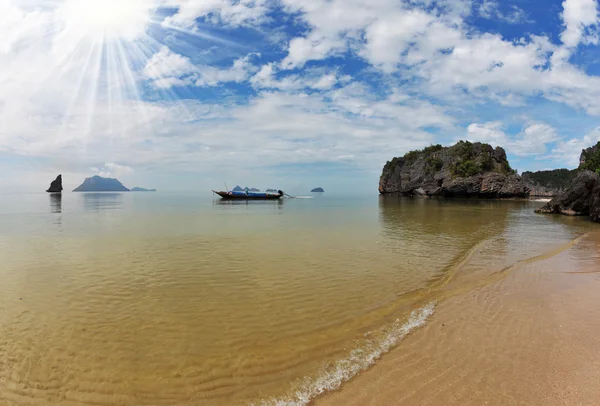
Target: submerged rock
(463,170)
(100,184)
(581,199)
(56,185)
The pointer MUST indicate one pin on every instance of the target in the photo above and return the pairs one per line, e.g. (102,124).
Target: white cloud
(491,133)
(113,170)
(567,153)
(579,16)
(316,78)
(490,9)
(532,140)
(167,69)
(167,64)
(229,12)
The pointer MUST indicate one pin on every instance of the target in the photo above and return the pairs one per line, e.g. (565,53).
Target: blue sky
(188,94)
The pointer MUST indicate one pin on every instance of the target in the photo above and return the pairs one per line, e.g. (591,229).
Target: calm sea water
(159,299)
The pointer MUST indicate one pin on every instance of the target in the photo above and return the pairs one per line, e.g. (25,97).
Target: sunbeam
(111,19)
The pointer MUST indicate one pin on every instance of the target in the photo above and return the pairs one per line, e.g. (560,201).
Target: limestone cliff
(462,170)
(581,199)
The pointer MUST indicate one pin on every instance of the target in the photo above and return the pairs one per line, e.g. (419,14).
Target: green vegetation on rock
(466,168)
(557,178)
(592,159)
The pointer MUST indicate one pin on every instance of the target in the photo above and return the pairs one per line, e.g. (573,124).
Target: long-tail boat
(248,195)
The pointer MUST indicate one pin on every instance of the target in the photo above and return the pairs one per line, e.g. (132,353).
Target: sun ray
(195,33)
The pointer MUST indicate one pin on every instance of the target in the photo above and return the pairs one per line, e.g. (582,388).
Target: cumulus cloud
(490,9)
(167,69)
(355,82)
(112,170)
(229,12)
(580,19)
(532,140)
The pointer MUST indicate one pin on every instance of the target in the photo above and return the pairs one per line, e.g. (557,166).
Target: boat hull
(249,196)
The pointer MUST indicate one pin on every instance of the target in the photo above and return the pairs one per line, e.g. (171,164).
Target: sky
(187,95)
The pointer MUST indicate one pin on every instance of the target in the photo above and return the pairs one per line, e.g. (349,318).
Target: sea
(185,299)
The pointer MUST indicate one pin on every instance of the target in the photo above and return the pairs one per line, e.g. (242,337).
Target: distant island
(465,169)
(100,184)
(141,189)
(317,190)
(246,189)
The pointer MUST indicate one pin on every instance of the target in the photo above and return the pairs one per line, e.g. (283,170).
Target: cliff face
(581,199)
(100,184)
(549,183)
(465,169)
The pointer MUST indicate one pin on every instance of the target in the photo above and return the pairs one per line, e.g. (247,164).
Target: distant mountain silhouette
(100,184)
(240,189)
(141,189)
(317,190)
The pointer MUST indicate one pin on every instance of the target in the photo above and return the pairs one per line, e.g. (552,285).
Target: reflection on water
(55,202)
(98,201)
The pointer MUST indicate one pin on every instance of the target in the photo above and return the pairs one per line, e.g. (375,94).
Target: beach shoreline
(529,337)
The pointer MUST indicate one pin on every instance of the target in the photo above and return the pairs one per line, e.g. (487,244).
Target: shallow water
(156,299)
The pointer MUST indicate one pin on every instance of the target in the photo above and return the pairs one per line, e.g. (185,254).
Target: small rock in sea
(56,185)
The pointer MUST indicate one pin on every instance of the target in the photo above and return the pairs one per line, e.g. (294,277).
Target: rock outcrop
(549,183)
(56,185)
(100,184)
(318,190)
(463,170)
(581,199)
(590,159)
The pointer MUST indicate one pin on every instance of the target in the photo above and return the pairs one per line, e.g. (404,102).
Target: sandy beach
(530,337)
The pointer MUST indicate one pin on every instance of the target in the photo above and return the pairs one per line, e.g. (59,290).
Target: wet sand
(528,338)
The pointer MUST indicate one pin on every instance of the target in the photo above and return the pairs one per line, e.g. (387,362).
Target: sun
(109,19)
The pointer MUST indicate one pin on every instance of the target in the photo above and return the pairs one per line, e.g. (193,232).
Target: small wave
(304,197)
(332,377)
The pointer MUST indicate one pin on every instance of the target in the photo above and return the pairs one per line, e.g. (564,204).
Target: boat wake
(303,197)
(334,375)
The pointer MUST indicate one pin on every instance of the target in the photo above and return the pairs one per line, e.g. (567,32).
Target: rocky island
(582,198)
(463,170)
(318,190)
(100,184)
(56,185)
(141,189)
(549,183)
